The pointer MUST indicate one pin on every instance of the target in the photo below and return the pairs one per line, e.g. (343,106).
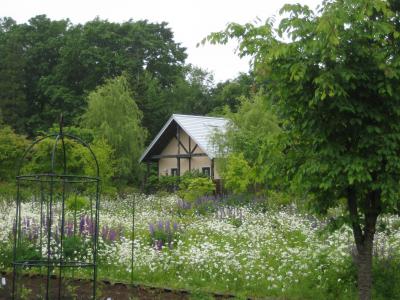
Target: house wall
(198,162)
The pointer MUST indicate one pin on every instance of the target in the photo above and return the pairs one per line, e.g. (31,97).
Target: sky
(190,20)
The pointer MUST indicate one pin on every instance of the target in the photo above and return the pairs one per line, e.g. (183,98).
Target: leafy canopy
(252,143)
(334,78)
(113,115)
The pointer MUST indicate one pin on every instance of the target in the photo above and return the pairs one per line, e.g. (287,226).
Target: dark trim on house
(177,155)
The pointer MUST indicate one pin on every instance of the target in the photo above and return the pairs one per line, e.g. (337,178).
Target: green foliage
(77,203)
(254,152)
(193,188)
(277,199)
(195,92)
(334,104)
(49,66)
(163,234)
(230,93)
(28,251)
(386,278)
(237,174)
(8,190)
(335,84)
(79,160)
(12,146)
(166,183)
(74,247)
(113,115)
(170,183)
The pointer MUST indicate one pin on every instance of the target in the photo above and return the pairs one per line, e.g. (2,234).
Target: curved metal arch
(88,147)
(58,136)
(35,142)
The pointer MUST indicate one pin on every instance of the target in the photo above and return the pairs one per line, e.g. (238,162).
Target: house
(185,144)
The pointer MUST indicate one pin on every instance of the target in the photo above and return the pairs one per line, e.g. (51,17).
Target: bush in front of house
(191,189)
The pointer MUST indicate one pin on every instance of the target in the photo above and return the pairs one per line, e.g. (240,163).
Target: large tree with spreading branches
(334,77)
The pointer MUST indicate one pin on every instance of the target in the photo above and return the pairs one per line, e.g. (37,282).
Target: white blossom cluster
(267,253)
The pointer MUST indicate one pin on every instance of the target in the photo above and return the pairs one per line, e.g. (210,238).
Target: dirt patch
(34,287)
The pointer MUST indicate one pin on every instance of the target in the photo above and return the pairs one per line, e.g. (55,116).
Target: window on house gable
(206,171)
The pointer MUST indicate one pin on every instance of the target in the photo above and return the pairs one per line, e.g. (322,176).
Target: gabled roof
(199,128)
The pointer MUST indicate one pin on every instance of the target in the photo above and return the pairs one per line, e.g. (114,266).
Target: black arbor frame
(50,192)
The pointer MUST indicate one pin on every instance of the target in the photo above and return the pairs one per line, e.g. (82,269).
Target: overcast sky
(190,21)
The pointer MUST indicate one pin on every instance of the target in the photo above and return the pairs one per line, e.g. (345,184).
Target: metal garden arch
(57,221)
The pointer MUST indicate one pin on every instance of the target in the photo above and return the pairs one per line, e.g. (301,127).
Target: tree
(12,146)
(193,92)
(113,115)
(251,138)
(230,92)
(12,63)
(334,77)
(49,67)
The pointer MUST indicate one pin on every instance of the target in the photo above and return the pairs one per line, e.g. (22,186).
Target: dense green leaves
(336,86)
(334,77)
(250,149)
(12,147)
(48,67)
(113,115)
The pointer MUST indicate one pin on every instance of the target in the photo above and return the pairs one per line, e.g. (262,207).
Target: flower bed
(236,250)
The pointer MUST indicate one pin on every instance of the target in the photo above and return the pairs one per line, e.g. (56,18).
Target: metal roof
(199,128)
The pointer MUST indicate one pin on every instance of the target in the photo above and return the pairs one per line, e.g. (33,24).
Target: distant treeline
(49,67)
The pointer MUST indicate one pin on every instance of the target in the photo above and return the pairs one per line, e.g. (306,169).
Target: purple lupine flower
(87,222)
(158,244)
(175,226)
(167,226)
(160,225)
(70,227)
(112,235)
(89,225)
(82,225)
(151,228)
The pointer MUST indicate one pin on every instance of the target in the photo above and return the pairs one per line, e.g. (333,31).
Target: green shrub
(168,183)
(7,190)
(12,146)
(77,203)
(276,199)
(74,247)
(386,276)
(191,189)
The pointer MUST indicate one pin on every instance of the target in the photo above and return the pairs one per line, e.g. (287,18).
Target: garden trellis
(64,238)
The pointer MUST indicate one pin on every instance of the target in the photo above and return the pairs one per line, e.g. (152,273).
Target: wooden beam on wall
(177,155)
(190,158)
(212,169)
(182,145)
(178,133)
(195,147)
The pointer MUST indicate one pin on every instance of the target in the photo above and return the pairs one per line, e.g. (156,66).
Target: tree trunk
(364,237)
(364,270)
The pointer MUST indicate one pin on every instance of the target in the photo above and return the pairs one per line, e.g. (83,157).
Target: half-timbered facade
(185,144)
